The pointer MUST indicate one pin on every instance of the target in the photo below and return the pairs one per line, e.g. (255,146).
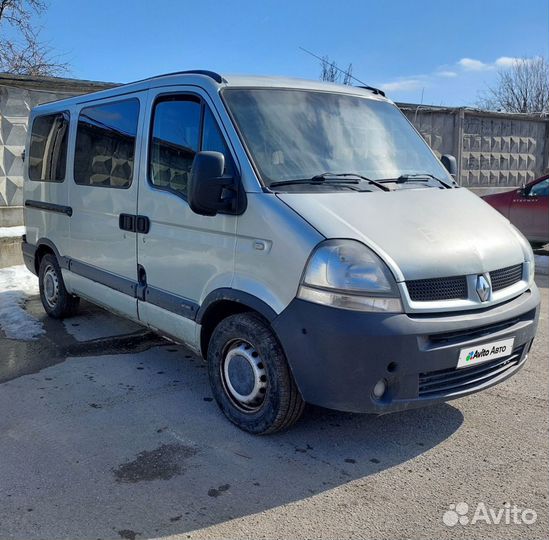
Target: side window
(212,140)
(105,144)
(175,139)
(48,147)
(541,189)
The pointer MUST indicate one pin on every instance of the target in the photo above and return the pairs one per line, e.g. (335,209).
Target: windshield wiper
(418,177)
(331,178)
(351,175)
(310,181)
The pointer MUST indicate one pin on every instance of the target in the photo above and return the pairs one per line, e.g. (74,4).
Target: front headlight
(348,275)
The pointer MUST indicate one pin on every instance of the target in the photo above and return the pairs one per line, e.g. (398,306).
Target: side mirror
(450,164)
(208,190)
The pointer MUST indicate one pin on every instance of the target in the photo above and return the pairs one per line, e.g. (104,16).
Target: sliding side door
(103,197)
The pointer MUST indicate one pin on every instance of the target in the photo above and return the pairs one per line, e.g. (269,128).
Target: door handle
(143,224)
(127,222)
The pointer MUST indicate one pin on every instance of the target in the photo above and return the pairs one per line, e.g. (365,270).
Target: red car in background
(527,208)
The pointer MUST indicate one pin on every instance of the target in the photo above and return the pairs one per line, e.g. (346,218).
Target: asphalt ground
(108,431)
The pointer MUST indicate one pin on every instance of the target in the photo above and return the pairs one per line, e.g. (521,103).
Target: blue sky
(446,50)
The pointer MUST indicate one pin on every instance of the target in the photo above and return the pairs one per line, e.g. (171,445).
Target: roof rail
(212,74)
(374,90)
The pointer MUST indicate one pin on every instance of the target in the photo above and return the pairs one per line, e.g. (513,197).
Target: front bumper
(337,356)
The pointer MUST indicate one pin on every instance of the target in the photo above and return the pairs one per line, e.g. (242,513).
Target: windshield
(298,135)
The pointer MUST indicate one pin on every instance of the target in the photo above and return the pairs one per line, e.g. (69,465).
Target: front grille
(429,290)
(449,381)
(455,287)
(468,334)
(505,277)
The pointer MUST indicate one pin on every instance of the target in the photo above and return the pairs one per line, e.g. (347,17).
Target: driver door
(182,256)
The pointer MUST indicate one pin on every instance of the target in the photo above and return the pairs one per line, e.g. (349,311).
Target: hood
(420,233)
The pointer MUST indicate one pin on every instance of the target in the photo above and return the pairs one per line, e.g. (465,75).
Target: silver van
(300,236)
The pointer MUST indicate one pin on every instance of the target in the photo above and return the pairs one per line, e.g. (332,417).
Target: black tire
(57,302)
(280,404)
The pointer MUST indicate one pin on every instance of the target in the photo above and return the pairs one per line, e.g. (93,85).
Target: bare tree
(348,75)
(331,73)
(523,87)
(25,55)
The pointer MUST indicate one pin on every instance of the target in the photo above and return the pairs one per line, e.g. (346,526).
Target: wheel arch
(224,302)
(44,246)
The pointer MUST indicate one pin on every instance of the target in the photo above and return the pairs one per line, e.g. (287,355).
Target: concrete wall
(495,151)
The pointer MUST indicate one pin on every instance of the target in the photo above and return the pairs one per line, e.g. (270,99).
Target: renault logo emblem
(483,288)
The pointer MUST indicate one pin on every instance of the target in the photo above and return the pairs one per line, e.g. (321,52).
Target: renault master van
(301,236)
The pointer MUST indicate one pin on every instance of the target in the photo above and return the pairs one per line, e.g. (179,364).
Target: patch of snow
(16,285)
(542,264)
(12,232)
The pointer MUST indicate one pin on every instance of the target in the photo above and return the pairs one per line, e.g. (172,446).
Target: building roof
(55,84)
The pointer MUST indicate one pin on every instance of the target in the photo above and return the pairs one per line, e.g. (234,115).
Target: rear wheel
(57,302)
(250,377)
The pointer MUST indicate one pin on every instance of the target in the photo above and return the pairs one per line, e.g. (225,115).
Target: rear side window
(105,144)
(48,147)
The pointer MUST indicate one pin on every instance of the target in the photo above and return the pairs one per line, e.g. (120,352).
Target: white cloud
(509,61)
(503,62)
(402,85)
(446,73)
(506,61)
(449,71)
(470,64)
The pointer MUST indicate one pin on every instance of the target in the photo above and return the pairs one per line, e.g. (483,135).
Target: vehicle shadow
(133,446)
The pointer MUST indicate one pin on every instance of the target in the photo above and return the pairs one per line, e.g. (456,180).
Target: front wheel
(250,377)
(56,300)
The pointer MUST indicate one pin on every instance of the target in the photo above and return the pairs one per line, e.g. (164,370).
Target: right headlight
(348,275)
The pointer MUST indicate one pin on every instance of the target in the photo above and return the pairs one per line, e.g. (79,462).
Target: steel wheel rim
(243,375)
(50,283)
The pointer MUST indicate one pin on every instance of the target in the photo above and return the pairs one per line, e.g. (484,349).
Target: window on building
(105,144)
(48,147)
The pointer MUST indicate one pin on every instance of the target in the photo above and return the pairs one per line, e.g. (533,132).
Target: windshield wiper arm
(420,177)
(405,177)
(331,178)
(314,180)
(325,175)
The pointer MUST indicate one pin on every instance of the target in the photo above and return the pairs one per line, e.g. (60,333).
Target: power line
(333,65)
